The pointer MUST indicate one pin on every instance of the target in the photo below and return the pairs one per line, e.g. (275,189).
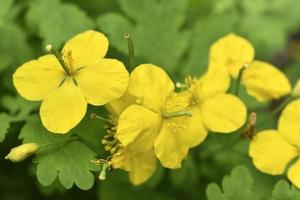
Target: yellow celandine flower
(273,150)
(262,80)
(65,86)
(153,121)
(212,108)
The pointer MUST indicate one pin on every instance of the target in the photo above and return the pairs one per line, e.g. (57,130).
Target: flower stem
(130,51)
(238,81)
(276,111)
(60,59)
(60,142)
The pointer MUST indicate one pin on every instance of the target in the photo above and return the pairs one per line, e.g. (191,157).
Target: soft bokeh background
(173,34)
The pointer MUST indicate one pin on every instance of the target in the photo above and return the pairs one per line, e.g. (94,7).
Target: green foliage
(236,186)
(64,19)
(156,31)
(175,35)
(283,191)
(68,160)
(4,125)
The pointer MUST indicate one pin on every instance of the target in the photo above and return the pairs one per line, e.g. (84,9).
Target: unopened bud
(296,89)
(102,175)
(22,152)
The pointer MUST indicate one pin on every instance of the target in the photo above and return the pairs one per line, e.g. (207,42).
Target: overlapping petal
(63,108)
(270,152)
(289,125)
(85,48)
(140,165)
(103,81)
(215,81)
(195,132)
(171,145)
(265,82)
(150,85)
(138,126)
(293,173)
(223,113)
(233,52)
(35,79)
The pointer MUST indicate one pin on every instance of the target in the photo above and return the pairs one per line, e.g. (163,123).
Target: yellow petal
(150,85)
(294,175)
(171,145)
(270,152)
(265,82)
(196,131)
(215,81)
(141,165)
(116,107)
(103,81)
(223,113)
(85,48)
(289,125)
(233,52)
(139,127)
(35,79)
(64,108)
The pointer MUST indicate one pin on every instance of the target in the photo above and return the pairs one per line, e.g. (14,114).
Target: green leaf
(70,162)
(205,32)
(283,191)
(64,19)
(236,186)
(117,186)
(5,7)
(155,28)
(186,175)
(18,107)
(4,125)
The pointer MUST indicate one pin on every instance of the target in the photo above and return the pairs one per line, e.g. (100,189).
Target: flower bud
(22,152)
(296,89)
(49,47)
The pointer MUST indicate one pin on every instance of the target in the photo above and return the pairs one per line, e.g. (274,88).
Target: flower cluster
(151,120)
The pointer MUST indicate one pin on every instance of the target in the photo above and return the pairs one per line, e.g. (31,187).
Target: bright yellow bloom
(262,80)
(159,120)
(87,77)
(213,109)
(272,150)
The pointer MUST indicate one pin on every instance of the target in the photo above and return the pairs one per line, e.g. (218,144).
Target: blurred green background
(173,34)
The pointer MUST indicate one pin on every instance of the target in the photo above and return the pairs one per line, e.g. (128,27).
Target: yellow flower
(262,80)
(140,165)
(22,152)
(66,86)
(159,121)
(213,109)
(272,150)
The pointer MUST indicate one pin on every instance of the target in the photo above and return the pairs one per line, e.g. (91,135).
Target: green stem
(130,51)
(276,111)
(60,142)
(59,58)
(238,81)
(95,116)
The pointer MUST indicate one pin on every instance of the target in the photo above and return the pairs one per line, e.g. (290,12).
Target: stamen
(59,57)
(95,116)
